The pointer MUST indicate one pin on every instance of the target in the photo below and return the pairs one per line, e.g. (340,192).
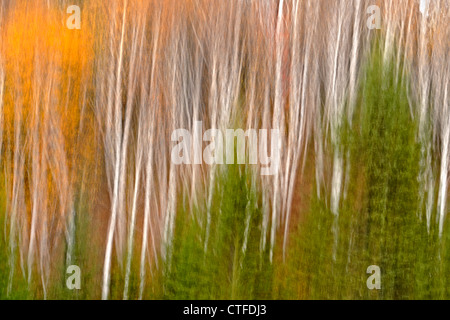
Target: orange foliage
(48,69)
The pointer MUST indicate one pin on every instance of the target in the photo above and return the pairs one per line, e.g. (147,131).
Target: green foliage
(85,256)
(221,259)
(380,220)
(18,288)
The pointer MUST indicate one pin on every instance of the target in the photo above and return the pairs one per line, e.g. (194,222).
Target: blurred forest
(86,176)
